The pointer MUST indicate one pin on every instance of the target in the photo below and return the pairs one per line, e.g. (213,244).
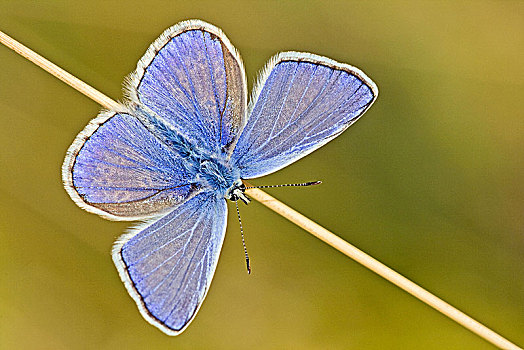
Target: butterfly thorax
(216,173)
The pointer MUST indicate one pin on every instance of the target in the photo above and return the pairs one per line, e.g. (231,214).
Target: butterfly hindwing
(302,101)
(118,169)
(167,265)
(193,79)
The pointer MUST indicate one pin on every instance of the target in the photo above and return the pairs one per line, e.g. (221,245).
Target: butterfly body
(211,170)
(182,143)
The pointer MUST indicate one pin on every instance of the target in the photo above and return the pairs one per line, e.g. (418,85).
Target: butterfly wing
(118,169)
(193,80)
(302,101)
(167,265)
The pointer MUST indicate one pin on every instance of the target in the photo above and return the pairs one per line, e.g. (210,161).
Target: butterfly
(180,145)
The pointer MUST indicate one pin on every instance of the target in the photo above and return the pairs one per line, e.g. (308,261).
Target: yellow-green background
(429,181)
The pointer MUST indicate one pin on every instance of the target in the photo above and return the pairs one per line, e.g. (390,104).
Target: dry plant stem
(290,214)
(58,72)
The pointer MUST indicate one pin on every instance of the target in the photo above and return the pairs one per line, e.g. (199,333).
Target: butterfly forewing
(302,102)
(193,80)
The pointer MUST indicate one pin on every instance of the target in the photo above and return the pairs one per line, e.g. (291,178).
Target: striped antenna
(312,183)
(248,266)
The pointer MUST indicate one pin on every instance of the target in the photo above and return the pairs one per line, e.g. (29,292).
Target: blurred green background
(430,181)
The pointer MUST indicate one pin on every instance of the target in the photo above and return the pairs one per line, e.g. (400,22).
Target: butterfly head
(237,191)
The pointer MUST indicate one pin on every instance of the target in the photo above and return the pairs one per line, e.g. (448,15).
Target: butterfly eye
(236,192)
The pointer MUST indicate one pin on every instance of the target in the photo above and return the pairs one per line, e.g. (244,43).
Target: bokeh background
(430,181)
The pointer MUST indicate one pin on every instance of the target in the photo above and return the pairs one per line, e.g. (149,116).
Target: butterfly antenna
(243,241)
(286,185)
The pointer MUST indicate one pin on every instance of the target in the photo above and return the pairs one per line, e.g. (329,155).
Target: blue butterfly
(181,144)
